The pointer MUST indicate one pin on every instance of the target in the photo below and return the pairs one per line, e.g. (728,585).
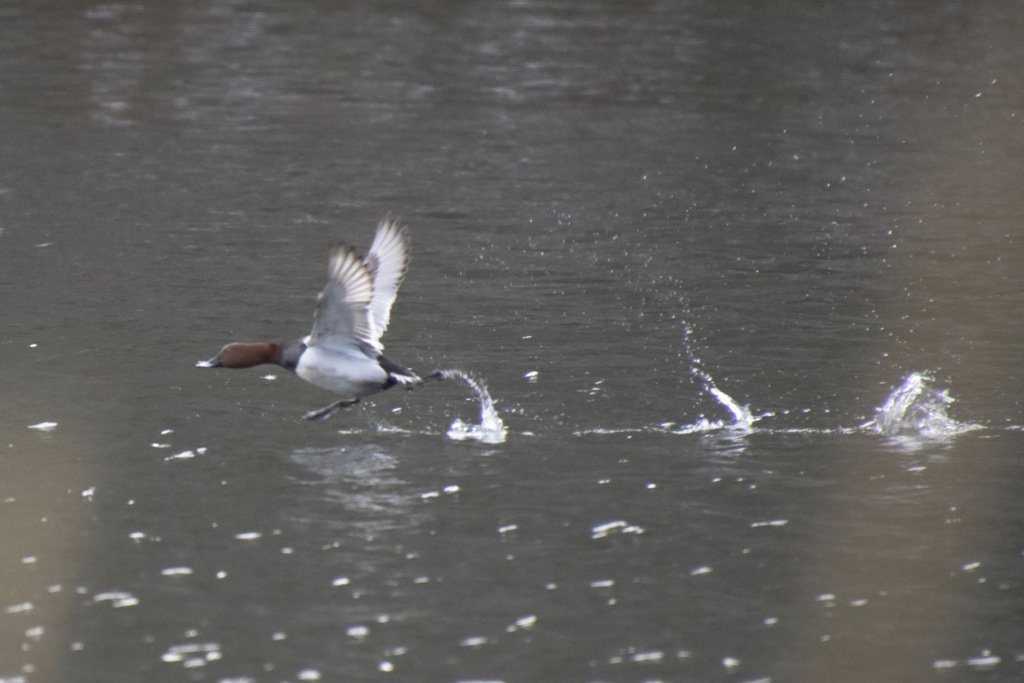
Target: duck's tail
(397,374)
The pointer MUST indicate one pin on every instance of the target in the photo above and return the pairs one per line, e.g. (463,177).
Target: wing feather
(343,308)
(387,263)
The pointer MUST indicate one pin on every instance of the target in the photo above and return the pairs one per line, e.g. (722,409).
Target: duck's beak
(212,363)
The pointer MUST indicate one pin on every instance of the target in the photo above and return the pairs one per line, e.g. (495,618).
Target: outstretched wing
(387,262)
(343,308)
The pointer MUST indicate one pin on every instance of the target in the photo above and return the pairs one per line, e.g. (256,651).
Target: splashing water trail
(917,409)
(742,419)
(491,429)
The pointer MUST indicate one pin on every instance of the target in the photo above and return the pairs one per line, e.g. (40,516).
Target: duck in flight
(343,353)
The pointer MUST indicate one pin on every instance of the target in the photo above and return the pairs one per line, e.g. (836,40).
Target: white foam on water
(490,429)
(700,426)
(192,655)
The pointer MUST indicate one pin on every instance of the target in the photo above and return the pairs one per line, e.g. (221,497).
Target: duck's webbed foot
(435,376)
(325,412)
(420,381)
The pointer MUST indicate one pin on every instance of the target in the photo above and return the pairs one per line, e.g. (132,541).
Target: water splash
(742,419)
(491,429)
(740,425)
(916,409)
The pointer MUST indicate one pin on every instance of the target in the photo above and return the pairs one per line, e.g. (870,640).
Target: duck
(343,352)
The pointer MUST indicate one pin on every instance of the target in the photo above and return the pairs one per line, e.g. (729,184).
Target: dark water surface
(617,208)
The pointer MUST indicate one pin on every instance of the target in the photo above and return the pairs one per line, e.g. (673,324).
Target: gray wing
(342,316)
(387,262)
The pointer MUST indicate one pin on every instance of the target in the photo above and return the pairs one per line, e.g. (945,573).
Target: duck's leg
(420,381)
(435,376)
(325,412)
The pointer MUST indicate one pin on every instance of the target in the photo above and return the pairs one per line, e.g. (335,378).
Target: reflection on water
(360,478)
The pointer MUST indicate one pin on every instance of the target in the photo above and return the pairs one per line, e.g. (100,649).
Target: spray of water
(490,429)
(742,419)
(914,413)
(916,409)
